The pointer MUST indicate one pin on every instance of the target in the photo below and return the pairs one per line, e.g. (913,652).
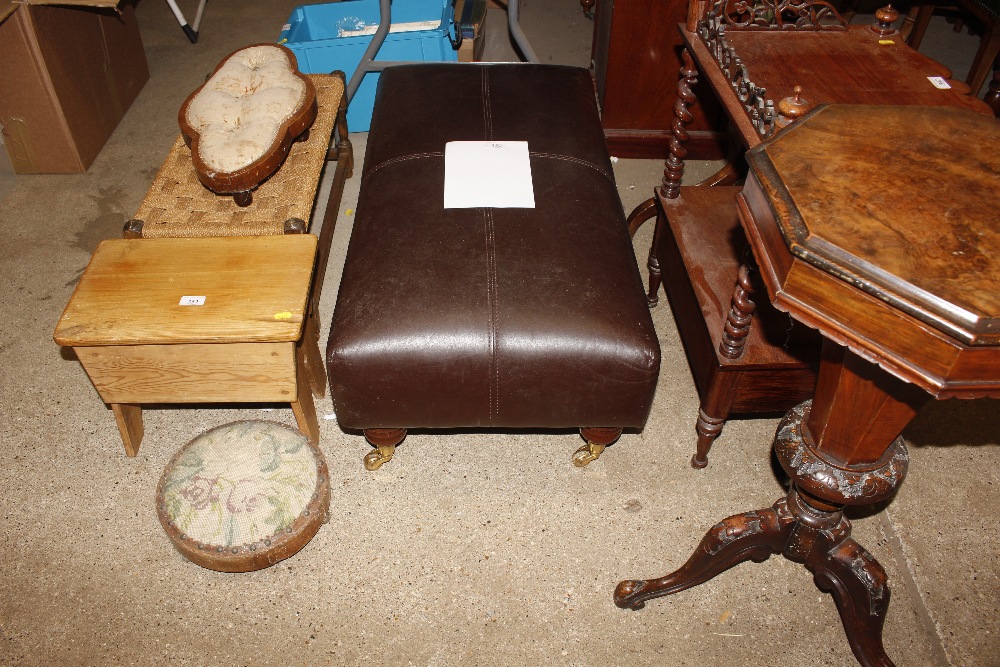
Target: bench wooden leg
(129,420)
(310,357)
(303,407)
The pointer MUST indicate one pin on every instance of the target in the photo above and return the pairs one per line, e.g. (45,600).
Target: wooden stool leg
(302,406)
(129,419)
(310,357)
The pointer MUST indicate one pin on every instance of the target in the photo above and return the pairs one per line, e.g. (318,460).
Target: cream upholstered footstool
(241,123)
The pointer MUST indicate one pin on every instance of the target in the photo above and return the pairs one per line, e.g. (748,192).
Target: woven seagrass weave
(178,205)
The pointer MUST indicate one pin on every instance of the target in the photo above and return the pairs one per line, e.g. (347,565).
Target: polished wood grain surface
(901,202)
(255,290)
(852,66)
(196,373)
(636,52)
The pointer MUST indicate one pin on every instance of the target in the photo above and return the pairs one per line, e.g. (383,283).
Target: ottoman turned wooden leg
(597,439)
(384,440)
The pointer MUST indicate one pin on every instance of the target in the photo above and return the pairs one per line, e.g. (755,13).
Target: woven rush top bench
(490,317)
(179,205)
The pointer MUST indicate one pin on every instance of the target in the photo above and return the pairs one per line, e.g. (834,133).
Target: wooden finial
(791,108)
(885,17)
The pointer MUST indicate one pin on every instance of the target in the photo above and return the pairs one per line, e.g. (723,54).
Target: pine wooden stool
(244,496)
(194,320)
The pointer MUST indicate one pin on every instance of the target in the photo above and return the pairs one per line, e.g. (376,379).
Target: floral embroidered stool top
(244,496)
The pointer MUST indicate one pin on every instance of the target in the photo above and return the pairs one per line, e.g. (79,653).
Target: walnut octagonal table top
(899,201)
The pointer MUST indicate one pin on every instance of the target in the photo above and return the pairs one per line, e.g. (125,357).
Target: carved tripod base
(807,530)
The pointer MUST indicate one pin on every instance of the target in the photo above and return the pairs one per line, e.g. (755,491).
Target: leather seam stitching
(401,158)
(576,160)
(491,268)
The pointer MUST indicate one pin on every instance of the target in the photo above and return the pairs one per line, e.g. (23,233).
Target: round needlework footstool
(244,496)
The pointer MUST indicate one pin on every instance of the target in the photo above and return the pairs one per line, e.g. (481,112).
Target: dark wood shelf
(700,247)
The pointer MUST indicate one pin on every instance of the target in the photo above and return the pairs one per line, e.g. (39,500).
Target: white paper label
(495,174)
(192,301)
(939,82)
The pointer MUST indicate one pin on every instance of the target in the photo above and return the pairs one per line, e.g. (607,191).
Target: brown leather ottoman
(490,317)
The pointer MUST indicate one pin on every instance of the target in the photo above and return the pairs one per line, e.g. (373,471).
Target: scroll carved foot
(860,588)
(818,539)
(384,440)
(750,536)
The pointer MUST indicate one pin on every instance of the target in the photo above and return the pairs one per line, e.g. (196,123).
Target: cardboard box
(68,73)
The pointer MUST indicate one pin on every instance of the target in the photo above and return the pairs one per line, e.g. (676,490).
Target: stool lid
(244,496)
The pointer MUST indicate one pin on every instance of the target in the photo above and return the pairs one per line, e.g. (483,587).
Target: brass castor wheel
(381,454)
(589,452)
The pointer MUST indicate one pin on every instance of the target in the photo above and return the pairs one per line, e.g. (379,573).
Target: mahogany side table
(766,62)
(877,226)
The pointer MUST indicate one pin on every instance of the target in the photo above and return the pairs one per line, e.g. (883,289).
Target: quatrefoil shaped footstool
(241,123)
(526,318)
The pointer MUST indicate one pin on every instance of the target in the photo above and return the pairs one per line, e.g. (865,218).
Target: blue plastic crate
(315,33)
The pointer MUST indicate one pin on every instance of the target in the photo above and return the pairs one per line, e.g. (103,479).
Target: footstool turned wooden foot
(384,440)
(597,439)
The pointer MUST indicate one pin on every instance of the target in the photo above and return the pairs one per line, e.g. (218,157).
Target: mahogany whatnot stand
(875,226)
(767,64)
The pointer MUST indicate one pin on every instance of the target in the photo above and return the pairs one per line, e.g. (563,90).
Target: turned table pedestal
(876,226)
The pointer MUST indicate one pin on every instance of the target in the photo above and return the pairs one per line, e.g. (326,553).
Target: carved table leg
(750,536)
(384,440)
(841,449)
